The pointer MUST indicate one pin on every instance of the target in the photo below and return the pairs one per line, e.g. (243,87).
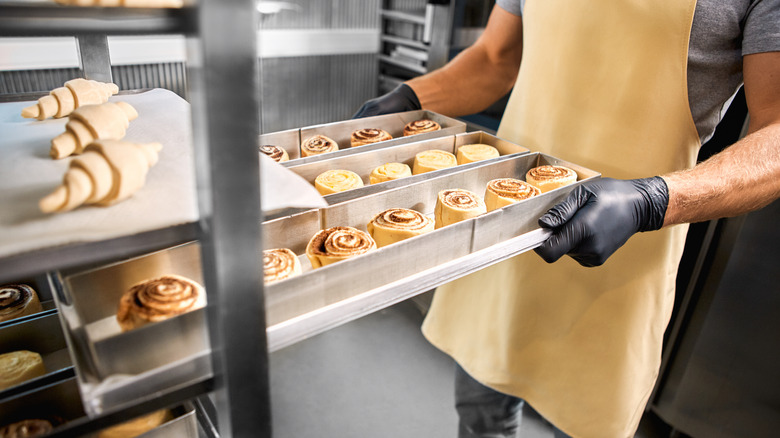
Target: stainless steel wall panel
(334,14)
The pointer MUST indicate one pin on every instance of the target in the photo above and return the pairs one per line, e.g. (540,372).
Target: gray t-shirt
(723,31)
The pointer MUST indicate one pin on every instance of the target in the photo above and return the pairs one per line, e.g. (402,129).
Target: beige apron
(602,84)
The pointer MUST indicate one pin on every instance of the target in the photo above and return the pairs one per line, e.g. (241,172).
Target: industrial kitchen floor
(377,377)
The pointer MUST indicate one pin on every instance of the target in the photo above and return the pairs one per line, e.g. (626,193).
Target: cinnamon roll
(26,429)
(420,126)
(367,136)
(17,300)
(397,224)
(19,366)
(137,426)
(505,191)
(548,177)
(279,264)
(469,153)
(337,243)
(456,205)
(276,153)
(319,144)
(434,159)
(159,299)
(334,181)
(388,172)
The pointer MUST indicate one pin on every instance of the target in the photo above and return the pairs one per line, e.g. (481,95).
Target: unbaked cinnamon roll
(280,264)
(389,172)
(319,144)
(17,300)
(334,181)
(456,205)
(469,153)
(276,153)
(19,366)
(369,135)
(420,126)
(435,159)
(337,243)
(137,426)
(505,191)
(159,299)
(26,429)
(397,224)
(548,177)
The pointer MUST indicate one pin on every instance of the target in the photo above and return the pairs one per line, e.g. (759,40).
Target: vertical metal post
(226,114)
(94,56)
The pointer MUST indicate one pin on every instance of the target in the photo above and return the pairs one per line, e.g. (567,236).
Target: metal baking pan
(341,133)
(289,140)
(114,366)
(363,163)
(314,290)
(42,335)
(58,403)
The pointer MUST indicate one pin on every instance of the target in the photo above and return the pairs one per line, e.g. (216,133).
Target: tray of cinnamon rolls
(326,141)
(390,238)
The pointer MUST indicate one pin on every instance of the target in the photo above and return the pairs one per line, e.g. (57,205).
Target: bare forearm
(742,178)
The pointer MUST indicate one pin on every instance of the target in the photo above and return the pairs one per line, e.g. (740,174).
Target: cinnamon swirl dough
(137,426)
(397,224)
(469,153)
(159,299)
(420,127)
(334,181)
(26,429)
(367,136)
(389,172)
(456,205)
(276,153)
(548,177)
(337,243)
(17,300)
(19,366)
(280,264)
(319,144)
(434,159)
(505,191)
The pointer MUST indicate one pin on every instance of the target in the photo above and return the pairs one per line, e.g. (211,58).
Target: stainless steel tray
(57,403)
(319,299)
(341,133)
(364,162)
(114,367)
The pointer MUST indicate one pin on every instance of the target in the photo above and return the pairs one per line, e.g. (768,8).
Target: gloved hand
(599,216)
(402,98)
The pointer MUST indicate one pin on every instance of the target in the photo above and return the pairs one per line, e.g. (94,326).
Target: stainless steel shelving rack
(225,102)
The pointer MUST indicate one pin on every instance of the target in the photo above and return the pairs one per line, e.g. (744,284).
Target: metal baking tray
(291,302)
(289,140)
(58,403)
(114,366)
(341,133)
(363,163)
(42,335)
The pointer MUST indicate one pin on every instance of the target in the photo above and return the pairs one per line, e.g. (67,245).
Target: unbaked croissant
(76,93)
(109,171)
(107,121)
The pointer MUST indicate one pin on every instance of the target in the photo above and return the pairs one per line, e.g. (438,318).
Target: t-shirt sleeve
(512,6)
(762,28)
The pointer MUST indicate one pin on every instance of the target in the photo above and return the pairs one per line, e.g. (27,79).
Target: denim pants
(487,413)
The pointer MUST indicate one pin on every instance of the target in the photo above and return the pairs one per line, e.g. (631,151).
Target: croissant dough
(19,366)
(76,93)
(109,171)
(107,121)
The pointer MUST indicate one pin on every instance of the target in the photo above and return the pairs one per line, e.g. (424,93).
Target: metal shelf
(404,42)
(416,17)
(412,67)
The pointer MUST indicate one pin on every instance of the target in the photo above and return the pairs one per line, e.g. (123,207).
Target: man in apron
(630,89)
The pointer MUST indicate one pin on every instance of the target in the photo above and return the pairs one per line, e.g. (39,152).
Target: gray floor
(373,378)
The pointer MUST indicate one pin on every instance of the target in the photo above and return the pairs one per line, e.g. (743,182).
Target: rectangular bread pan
(113,366)
(363,163)
(289,140)
(184,424)
(341,132)
(401,262)
(42,335)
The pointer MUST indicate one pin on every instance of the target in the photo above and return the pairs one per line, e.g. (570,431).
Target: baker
(630,88)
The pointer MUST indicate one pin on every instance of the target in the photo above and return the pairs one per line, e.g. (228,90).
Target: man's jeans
(486,413)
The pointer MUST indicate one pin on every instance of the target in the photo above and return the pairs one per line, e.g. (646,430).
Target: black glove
(402,98)
(599,216)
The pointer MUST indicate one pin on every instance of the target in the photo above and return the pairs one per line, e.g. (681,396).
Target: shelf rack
(225,77)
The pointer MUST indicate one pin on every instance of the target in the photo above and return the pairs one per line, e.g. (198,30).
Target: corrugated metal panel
(334,14)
